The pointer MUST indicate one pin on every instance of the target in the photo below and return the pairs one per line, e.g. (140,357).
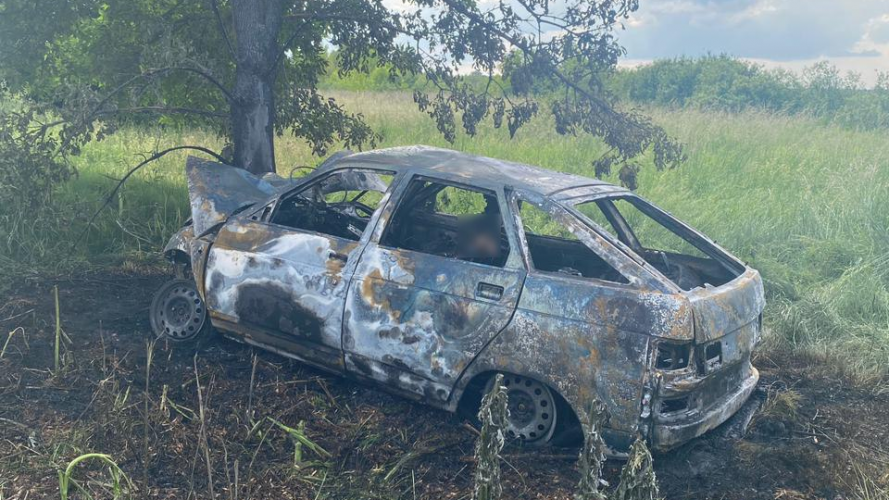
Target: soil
(816,436)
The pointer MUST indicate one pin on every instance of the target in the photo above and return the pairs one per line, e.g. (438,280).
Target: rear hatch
(728,308)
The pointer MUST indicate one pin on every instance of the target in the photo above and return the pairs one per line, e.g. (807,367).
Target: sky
(852,34)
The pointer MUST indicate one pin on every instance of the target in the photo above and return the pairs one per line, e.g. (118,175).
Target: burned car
(429,271)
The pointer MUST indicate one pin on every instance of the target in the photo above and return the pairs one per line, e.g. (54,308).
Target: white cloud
(853,34)
(678,7)
(757,10)
(767,29)
(792,34)
(875,36)
(635,21)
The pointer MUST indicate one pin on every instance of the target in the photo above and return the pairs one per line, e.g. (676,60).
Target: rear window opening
(554,249)
(686,259)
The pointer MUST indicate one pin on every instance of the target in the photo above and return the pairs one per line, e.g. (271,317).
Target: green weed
(300,440)
(120,482)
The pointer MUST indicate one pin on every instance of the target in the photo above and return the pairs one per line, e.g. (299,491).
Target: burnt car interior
(340,204)
(688,261)
(554,249)
(449,221)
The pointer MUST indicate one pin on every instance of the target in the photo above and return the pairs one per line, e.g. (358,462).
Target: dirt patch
(816,437)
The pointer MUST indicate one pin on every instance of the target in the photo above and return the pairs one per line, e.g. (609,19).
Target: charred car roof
(475,170)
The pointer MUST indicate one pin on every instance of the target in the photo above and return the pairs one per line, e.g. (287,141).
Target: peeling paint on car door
(415,321)
(283,287)
(278,286)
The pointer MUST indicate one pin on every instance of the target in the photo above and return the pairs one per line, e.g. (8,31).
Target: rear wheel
(532,410)
(178,314)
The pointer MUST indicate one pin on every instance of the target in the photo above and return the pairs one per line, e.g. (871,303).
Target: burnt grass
(816,437)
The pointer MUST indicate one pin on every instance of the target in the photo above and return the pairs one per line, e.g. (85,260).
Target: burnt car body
(429,270)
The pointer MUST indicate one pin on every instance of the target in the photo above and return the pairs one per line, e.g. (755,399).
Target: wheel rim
(532,410)
(179,312)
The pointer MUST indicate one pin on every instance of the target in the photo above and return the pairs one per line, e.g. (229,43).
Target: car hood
(217,190)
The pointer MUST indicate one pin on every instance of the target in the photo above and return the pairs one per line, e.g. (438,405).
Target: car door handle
(339,256)
(489,291)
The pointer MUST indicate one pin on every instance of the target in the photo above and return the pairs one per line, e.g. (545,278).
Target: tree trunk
(257,24)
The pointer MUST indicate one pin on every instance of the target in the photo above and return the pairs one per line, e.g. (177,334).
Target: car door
(279,277)
(426,297)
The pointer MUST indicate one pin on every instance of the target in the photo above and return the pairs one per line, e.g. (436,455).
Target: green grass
(806,204)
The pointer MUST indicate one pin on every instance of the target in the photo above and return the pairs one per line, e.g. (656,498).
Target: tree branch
(97,110)
(228,42)
(228,95)
(132,171)
(521,45)
(163,110)
(283,50)
(151,73)
(44,127)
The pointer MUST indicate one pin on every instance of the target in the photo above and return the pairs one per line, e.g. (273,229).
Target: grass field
(806,204)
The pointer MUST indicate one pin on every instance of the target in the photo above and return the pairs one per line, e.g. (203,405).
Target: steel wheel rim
(532,409)
(179,313)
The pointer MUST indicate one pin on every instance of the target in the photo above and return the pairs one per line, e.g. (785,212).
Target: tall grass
(806,204)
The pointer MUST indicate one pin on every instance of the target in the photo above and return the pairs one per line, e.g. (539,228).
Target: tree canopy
(250,69)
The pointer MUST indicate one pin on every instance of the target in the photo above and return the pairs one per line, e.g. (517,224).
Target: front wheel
(532,410)
(178,314)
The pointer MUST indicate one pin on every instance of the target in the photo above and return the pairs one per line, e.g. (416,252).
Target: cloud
(678,7)
(852,34)
(876,33)
(755,11)
(879,33)
(769,29)
(862,53)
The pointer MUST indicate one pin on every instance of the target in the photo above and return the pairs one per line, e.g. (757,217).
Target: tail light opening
(672,356)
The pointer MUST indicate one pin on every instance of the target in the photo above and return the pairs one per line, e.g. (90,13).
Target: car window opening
(686,260)
(555,249)
(339,205)
(451,222)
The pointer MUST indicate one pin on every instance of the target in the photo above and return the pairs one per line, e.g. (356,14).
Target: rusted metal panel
(416,321)
(199,249)
(217,190)
(717,381)
(181,241)
(422,315)
(480,171)
(670,434)
(580,360)
(618,307)
(727,308)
